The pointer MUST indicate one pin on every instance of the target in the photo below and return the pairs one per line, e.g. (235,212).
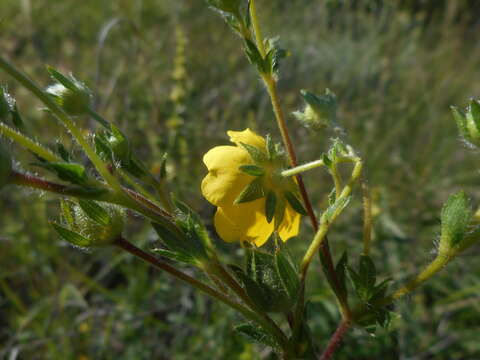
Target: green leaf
(74,173)
(256,335)
(341,270)
(270,205)
(175,256)
(86,191)
(335,209)
(253,170)
(257,155)
(367,272)
(288,275)
(252,191)
(95,212)
(456,215)
(72,237)
(16,118)
(254,56)
(163,166)
(254,291)
(295,203)
(67,213)
(327,161)
(340,292)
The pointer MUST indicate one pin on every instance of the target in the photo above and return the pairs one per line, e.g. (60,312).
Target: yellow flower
(242,218)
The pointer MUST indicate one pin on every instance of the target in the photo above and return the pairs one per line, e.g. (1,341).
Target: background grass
(395,70)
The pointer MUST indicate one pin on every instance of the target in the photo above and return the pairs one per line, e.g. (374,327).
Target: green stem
(256,29)
(28,143)
(434,267)
(302,168)
(274,331)
(336,180)
(367,218)
(64,118)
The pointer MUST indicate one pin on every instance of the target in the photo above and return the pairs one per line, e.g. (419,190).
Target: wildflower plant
(256,185)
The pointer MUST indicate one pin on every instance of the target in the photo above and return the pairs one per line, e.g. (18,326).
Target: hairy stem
(367,218)
(132,249)
(335,340)
(64,118)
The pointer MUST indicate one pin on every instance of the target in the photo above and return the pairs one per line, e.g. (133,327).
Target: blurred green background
(173,77)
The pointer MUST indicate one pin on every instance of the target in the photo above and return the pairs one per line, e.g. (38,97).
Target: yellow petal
(290,224)
(225,181)
(247,136)
(243,222)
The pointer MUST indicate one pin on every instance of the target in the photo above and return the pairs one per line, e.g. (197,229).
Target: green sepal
(461,120)
(474,113)
(279,212)
(68,82)
(327,161)
(252,191)
(256,335)
(252,170)
(70,236)
(270,206)
(95,212)
(257,155)
(295,203)
(270,146)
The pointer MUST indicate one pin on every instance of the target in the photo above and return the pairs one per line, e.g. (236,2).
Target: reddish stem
(336,340)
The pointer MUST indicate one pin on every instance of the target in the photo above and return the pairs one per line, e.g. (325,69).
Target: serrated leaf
(257,155)
(252,191)
(367,272)
(72,237)
(253,289)
(256,335)
(74,173)
(295,203)
(288,275)
(252,170)
(95,212)
(270,205)
(341,270)
(175,256)
(254,56)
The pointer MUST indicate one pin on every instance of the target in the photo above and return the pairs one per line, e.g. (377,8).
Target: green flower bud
(74,101)
(319,112)
(5,166)
(468,123)
(101,225)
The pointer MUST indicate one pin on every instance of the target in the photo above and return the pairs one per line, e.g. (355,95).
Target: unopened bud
(320,111)
(468,123)
(73,101)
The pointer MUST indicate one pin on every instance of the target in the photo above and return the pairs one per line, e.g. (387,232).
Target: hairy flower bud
(468,123)
(100,233)
(319,112)
(74,101)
